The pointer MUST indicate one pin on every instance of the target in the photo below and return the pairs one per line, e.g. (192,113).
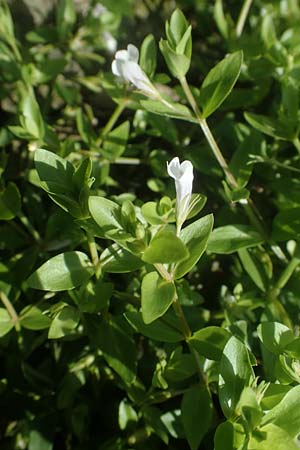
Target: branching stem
(11,311)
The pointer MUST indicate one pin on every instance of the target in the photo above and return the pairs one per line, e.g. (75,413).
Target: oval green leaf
(157,296)
(210,342)
(229,239)
(116,259)
(235,373)
(219,82)
(165,248)
(62,272)
(195,237)
(196,413)
(105,213)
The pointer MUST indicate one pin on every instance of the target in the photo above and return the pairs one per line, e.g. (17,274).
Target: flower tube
(125,66)
(183,176)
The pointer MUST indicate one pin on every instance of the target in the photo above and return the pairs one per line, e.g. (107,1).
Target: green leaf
(272,437)
(178,63)
(275,336)
(197,203)
(221,19)
(249,408)
(106,213)
(273,395)
(177,49)
(180,366)
(65,17)
(195,236)
(10,202)
(117,346)
(148,55)
(235,374)
(279,129)
(32,318)
(152,417)
(127,415)
(293,348)
(230,238)
(196,413)
(5,322)
(164,329)
(229,436)
(62,272)
(115,259)
(286,224)
(84,127)
(239,164)
(41,439)
(94,297)
(165,248)
(177,27)
(210,342)
(64,323)
(219,82)
(31,118)
(150,211)
(169,109)
(55,173)
(157,296)
(253,268)
(115,142)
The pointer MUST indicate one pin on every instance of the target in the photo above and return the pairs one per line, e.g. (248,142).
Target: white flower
(125,65)
(183,176)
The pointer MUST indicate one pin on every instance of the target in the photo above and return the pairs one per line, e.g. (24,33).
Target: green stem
(163,272)
(287,273)
(93,249)
(186,331)
(112,120)
(279,164)
(180,314)
(242,18)
(34,233)
(217,152)
(208,134)
(187,334)
(248,205)
(296,143)
(11,311)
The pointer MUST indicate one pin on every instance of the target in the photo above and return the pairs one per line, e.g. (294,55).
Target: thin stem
(242,18)
(34,233)
(180,314)
(186,331)
(217,152)
(248,205)
(112,120)
(163,272)
(287,273)
(208,134)
(93,249)
(296,143)
(279,164)
(187,334)
(11,311)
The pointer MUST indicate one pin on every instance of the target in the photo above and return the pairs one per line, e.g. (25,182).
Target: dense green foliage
(130,320)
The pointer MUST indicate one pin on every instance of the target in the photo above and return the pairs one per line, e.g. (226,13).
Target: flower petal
(133,53)
(122,55)
(173,168)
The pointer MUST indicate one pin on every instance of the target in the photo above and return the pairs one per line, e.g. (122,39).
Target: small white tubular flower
(125,66)
(183,176)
